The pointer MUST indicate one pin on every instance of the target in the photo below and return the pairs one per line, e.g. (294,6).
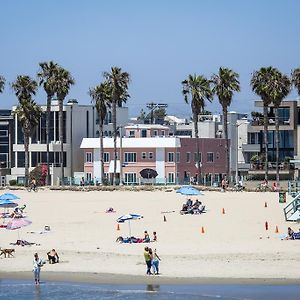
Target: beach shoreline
(119,279)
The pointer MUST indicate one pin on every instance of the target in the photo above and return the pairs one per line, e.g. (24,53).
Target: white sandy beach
(234,245)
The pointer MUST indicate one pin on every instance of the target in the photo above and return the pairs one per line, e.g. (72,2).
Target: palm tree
(296,79)
(281,87)
(198,88)
(261,82)
(2,83)
(101,96)
(118,82)
(63,82)
(27,112)
(46,76)
(225,83)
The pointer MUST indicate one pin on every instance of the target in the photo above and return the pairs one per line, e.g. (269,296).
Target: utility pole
(152,106)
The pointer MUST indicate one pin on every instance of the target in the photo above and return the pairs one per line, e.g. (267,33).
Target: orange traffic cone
(165,219)
(223,211)
(267,225)
(266,204)
(202,230)
(118,226)
(276,229)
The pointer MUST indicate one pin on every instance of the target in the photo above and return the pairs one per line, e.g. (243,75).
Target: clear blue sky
(159,42)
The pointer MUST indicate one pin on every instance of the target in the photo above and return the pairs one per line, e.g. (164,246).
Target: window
(88,177)
(210,157)
(20,159)
(170,156)
(88,157)
(106,157)
(171,178)
(188,157)
(144,133)
(130,178)
(129,157)
(177,156)
(217,155)
(162,133)
(3,133)
(150,155)
(144,155)
(196,157)
(131,133)
(155,133)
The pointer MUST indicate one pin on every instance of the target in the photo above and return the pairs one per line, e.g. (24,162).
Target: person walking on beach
(37,264)
(155,263)
(148,261)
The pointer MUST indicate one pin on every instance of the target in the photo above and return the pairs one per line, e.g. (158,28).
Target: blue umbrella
(9,196)
(129,217)
(7,204)
(189,191)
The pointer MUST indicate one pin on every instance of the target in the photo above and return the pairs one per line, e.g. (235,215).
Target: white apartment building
(80,121)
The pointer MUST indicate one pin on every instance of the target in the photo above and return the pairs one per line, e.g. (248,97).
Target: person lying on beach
(132,239)
(53,257)
(290,234)
(110,210)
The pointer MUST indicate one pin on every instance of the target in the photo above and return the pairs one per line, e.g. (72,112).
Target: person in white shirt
(37,264)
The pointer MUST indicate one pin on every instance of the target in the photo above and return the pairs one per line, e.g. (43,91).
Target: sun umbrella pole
(129,230)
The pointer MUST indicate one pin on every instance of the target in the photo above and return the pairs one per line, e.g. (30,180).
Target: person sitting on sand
(146,237)
(290,234)
(189,203)
(154,236)
(53,257)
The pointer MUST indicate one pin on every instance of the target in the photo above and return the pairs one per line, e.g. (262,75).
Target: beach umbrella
(189,191)
(7,204)
(9,196)
(128,218)
(148,173)
(18,223)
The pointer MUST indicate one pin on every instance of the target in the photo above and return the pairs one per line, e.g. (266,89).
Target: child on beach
(146,237)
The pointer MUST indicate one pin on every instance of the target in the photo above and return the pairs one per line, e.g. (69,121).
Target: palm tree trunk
(195,117)
(101,148)
(47,138)
(26,147)
(225,125)
(266,140)
(61,138)
(277,144)
(114,120)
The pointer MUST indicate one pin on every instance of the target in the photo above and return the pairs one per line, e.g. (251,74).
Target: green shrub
(13,182)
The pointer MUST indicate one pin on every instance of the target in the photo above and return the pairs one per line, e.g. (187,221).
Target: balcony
(259,168)
(251,147)
(259,121)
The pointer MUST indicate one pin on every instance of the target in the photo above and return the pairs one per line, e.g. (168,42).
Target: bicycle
(263,188)
(32,188)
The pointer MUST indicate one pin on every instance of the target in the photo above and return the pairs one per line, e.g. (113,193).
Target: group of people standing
(152,261)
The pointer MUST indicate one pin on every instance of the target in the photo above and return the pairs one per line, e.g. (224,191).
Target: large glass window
(188,157)
(283,114)
(129,157)
(20,159)
(130,178)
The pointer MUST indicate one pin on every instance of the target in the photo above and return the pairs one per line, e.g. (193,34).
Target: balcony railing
(271,121)
(283,166)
